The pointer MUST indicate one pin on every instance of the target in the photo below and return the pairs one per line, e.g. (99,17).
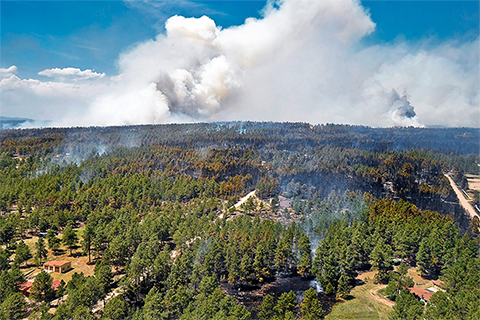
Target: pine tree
(40,250)
(53,241)
(305,251)
(153,308)
(266,308)
(311,306)
(285,304)
(245,267)
(343,287)
(14,307)
(116,308)
(381,258)
(69,237)
(104,278)
(22,253)
(42,287)
(88,236)
(407,307)
(234,270)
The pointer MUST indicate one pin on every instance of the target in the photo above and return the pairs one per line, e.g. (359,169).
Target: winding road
(373,293)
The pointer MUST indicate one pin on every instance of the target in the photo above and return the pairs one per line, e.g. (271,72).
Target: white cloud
(71,73)
(47,100)
(302,61)
(8,71)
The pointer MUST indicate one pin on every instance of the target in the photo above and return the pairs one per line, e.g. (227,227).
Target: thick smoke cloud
(303,61)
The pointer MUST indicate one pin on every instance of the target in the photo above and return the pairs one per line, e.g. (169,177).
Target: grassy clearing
(361,304)
(79,263)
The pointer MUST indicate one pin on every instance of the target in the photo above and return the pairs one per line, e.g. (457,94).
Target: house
(27,286)
(437,284)
(57,266)
(422,294)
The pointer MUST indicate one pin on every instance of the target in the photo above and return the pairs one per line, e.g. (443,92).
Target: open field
(366,301)
(473,182)
(79,263)
(363,302)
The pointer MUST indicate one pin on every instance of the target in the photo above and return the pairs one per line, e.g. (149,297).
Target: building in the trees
(26,287)
(57,266)
(421,294)
(437,284)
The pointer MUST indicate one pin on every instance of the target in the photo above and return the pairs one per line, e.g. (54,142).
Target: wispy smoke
(303,61)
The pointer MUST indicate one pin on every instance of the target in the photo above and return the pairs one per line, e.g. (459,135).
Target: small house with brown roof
(26,287)
(421,294)
(57,266)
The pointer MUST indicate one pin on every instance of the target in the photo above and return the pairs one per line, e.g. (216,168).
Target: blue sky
(377,63)
(37,35)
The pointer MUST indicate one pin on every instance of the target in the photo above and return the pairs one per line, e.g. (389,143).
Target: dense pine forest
(236,221)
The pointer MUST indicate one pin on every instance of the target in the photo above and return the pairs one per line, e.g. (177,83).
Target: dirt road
(239,203)
(373,293)
(465,204)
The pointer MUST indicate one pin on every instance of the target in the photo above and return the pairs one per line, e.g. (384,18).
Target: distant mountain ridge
(12,122)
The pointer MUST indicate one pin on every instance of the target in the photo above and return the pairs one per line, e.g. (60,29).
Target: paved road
(465,204)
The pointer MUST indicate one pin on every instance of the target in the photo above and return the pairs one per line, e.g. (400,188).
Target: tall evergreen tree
(311,307)
(42,287)
(88,235)
(22,253)
(116,309)
(266,311)
(381,259)
(14,307)
(407,307)
(285,306)
(305,252)
(69,237)
(40,250)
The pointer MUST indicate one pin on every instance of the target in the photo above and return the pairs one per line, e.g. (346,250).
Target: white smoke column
(303,61)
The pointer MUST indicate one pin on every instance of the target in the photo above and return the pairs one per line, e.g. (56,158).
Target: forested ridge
(152,209)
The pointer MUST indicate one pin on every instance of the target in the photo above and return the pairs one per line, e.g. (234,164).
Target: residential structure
(57,266)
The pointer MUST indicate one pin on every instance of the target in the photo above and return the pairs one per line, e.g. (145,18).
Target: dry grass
(366,302)
(473,182)
(79,264)
(361,304)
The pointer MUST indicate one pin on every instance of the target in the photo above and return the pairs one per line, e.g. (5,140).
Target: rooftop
(421,293)
(56,263)
(27,286)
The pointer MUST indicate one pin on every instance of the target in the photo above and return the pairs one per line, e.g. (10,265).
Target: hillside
(156,211)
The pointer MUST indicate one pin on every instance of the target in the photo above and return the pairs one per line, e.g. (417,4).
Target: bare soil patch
(474,183)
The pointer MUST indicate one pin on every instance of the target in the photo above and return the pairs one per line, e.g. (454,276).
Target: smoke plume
(302,61)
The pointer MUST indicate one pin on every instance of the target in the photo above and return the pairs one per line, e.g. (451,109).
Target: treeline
(400,162)
(288,136)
